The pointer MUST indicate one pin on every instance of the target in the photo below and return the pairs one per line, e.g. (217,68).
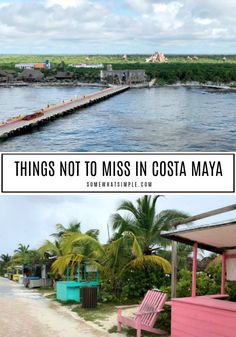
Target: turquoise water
(158,119)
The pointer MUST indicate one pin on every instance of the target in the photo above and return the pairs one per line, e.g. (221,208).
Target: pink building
(213,315)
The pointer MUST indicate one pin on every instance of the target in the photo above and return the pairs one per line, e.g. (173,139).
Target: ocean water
(157,119)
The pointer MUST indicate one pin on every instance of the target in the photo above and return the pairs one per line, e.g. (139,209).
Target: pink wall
(191,320)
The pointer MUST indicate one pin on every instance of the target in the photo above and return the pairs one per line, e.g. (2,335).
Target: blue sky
(31,219)
(117,26)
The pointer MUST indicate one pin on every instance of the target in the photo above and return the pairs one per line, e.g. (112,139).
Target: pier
(20,124)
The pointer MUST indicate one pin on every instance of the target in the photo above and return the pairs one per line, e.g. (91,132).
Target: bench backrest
(153,301)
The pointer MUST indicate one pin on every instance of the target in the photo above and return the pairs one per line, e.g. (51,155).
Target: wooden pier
(22,124)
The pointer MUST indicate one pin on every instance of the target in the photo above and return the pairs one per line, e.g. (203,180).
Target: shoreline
(52,84)
(210,86)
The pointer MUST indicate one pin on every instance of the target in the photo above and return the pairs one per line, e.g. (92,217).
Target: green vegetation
(104,311)
(23,255)
(71,248)
(174,72)
(204,68)
(130,262)
(111,59)
(101,312)
(5,260)
(135,259)
(47,291)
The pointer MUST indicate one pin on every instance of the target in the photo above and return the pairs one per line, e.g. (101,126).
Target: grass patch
(163,323)
(50,296)
(45,290)
(113,329)
(132,333)
(101,312)
(67,303)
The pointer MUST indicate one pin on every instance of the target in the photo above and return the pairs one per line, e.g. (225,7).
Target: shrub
(132,285)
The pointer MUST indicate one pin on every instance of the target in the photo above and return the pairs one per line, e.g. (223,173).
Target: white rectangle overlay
(118,173)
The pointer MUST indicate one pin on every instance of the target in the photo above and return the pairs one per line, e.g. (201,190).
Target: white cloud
(141,6)
(65,3)
(171,8)
(166,15)
(4,4)
(204,22)
(218,33)
(81,26)
(31,219)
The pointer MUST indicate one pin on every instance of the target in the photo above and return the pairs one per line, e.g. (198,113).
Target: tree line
(135,259)
(216,69)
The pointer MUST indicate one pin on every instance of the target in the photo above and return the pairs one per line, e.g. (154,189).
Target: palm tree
(143,221)
(72,249)
(77,248)
(24,255)
(22,248)
(183,254)
(50,249)
(5,258)
(61,229)
(125,253)
(94,233)
(137,242)
(74,227)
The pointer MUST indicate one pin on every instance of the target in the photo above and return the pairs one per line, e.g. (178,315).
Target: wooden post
(194,270)
(205,215)
(174,244)
(174,269)
(223,270)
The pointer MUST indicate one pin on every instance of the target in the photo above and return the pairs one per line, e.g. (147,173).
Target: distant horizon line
(115,54)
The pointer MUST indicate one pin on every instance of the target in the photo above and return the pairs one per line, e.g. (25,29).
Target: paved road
(25,313)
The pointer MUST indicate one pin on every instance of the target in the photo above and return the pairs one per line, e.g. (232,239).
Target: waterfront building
(85,65)
(42,65)
(31,75)
(64,75)
(137,76)
(24,65)
(7,76)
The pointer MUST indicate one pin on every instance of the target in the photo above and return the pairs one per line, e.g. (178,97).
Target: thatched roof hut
(31,75)
(64,75)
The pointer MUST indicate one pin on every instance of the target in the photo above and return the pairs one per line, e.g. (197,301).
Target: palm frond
(136,249)
(94,233)
(63,262)
(155,260)
(51,247)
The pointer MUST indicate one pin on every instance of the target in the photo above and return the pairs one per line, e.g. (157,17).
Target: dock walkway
(18,126)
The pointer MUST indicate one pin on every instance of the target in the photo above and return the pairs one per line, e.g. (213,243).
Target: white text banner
(118,172)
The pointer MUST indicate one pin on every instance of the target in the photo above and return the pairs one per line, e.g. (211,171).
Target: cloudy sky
(31,219)
(117,26)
